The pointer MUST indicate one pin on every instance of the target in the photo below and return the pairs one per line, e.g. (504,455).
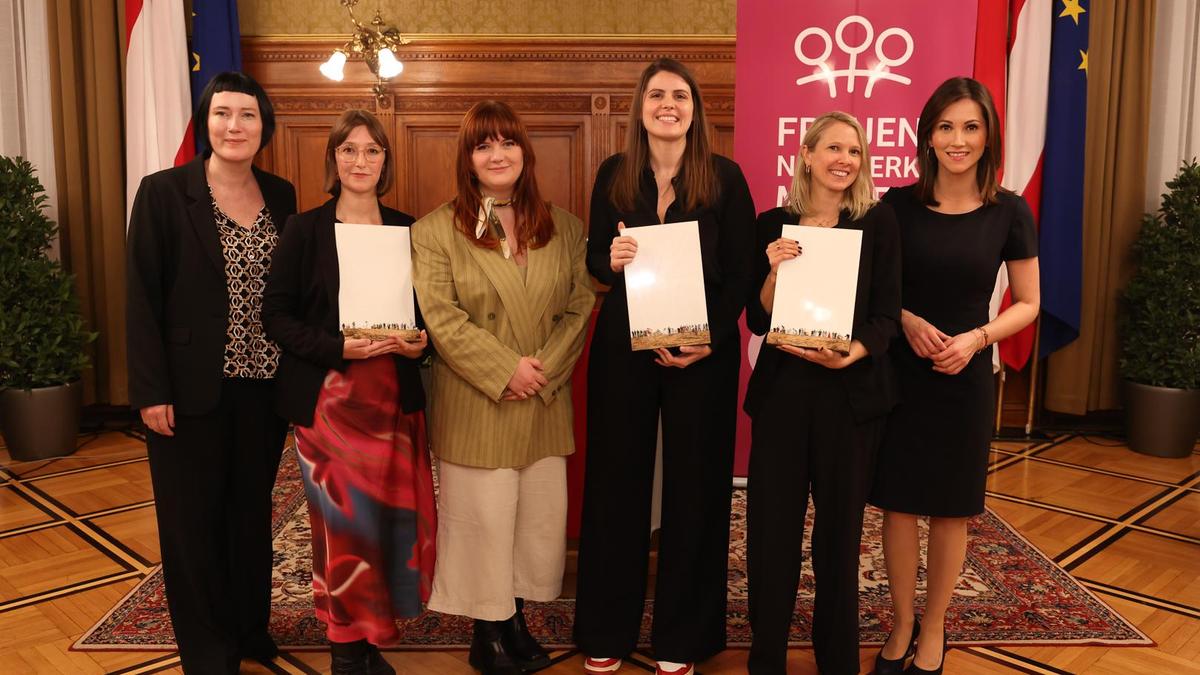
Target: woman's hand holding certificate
(621,251)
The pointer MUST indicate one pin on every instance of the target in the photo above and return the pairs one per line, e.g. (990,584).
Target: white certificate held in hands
(375,293)
(814,292)
(664,286)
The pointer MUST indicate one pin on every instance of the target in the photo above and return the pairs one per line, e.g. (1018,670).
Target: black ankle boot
(348,658)
(488,654)
(376,664)
(525,650)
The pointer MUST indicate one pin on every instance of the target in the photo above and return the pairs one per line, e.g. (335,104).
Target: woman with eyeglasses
(358,409)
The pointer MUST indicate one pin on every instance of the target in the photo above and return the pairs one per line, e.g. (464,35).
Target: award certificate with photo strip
(665,287)
(814,293)
(375,295)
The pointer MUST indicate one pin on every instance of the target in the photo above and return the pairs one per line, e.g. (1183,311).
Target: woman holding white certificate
(667,174)
(818,414)
(959,226)
(502,282)
(358,407)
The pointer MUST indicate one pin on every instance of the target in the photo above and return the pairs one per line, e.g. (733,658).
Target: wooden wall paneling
(425,147)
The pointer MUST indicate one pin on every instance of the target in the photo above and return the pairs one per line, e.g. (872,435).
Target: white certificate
(814,292)
(664,286)
(375,295)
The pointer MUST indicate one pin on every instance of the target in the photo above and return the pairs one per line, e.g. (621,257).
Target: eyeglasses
(348,152)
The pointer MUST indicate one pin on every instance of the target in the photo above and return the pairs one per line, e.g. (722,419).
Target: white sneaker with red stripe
(593,665)
(670,668)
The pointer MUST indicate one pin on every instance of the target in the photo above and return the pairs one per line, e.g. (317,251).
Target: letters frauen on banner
(875,59)
(664,287)
(814,293)
(375,291)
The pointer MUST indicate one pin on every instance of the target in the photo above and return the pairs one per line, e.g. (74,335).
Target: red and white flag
(158,100)
(1024,137)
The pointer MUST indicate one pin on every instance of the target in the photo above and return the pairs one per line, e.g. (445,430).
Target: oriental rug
(1009,594)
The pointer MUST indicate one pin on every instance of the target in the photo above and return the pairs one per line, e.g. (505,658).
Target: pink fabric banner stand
(875,59)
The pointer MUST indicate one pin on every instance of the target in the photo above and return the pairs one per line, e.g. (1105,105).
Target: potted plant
(42,336)
(1160,325)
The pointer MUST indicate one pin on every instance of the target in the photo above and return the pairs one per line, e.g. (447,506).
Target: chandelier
(377,43)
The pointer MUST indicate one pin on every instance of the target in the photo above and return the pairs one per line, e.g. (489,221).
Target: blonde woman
(818,414)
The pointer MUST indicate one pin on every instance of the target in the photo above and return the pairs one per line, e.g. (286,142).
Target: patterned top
(247,251)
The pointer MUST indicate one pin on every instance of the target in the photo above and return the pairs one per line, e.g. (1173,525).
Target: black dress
(935,451)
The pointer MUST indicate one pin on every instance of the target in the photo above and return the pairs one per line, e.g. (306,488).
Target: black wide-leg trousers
(626,392)
(804,437)
(212,490)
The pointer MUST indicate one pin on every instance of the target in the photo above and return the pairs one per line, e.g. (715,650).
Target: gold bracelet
(983,331)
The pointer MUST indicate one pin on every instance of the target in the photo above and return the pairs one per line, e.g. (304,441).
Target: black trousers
(626,392)
(212,490)
(805,438)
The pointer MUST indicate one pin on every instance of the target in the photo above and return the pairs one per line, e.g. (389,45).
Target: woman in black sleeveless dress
(956,227)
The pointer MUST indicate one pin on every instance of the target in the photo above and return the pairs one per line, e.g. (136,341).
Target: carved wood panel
(573,95)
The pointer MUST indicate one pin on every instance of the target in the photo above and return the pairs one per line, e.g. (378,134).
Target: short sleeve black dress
(934,456)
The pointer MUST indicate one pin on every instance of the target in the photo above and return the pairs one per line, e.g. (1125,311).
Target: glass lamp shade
(389,66)
(334,67)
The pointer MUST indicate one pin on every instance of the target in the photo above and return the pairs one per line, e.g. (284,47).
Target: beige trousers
(501,535)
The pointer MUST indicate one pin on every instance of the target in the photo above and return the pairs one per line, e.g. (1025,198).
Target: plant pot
(1161,421)
(41,423)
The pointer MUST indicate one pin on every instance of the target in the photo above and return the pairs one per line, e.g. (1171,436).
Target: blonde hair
(859,197)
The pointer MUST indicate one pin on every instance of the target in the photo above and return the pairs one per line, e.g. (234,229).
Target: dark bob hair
(951,91)
(235,82)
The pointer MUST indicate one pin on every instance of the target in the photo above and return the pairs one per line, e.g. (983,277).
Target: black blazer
(300,313)
(177,307)
(726,237)
(870,384)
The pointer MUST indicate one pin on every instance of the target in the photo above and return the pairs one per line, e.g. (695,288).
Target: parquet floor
(77,533)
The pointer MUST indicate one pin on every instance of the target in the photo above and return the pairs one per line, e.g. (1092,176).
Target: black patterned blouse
(247,251)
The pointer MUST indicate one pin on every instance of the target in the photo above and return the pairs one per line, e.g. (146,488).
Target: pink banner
(876,59)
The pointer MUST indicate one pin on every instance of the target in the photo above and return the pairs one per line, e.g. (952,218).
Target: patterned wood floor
(77,533)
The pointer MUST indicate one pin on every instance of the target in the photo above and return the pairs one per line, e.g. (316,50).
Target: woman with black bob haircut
(957,226)
(201,374)
(667,173)
(357,404)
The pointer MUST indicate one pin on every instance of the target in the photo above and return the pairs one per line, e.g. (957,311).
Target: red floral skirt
(367,476)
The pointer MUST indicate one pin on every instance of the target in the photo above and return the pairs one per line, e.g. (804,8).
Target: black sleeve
(602,224)
(767,229)
(734,252)
(145,288)
(883,314)
(282,313)
(1022,241)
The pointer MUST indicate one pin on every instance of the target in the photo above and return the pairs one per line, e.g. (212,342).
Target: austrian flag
(158,102)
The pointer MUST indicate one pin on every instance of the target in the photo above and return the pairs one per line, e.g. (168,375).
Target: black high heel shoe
(912,668)
(896,666)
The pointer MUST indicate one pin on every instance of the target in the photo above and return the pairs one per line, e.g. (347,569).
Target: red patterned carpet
(1009,594)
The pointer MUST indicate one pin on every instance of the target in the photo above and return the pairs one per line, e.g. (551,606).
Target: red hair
(496,120)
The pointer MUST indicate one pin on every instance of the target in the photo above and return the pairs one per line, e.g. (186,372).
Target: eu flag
(216,45)
(1061,231)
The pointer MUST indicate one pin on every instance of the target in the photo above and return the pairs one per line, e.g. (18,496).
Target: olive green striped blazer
(482,316)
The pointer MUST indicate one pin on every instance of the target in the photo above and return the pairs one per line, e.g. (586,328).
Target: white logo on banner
(881,70)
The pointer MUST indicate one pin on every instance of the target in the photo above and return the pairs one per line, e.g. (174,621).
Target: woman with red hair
(506,296)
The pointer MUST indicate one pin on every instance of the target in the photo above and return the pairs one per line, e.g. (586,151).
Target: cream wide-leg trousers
(501,535)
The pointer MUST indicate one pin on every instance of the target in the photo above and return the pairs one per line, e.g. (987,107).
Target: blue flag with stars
(216,45)
(1061,232)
